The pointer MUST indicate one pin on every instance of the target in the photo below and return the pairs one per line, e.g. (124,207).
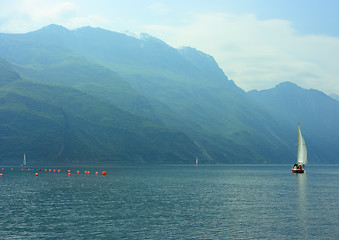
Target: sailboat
(24,161)
(301,155)
(196,161)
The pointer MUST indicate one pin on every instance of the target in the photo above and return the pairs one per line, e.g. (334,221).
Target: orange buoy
(88,172)
(11,169)
(45,170)
(78,171)
(104,173)
(69,171)
(2,169)
(22,169)
(29,169)
(69,174)
(59,170)
(96,173)
(50,170)
(54,170)
(85,172)
(36,174)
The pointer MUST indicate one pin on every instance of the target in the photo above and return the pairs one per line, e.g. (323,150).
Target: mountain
(203,99)
(7,74)
(317,113)
(334,96)
(60,125)
(179,89)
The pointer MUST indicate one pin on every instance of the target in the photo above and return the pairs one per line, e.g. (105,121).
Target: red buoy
(45,170)
(104,173)
(69,174)
(96,173)
(78,171)
(50,170)
(69,171)
(85,172)
(1,175)
(2,169)
(36,174)
(58,170)
(54,170)
(11,169)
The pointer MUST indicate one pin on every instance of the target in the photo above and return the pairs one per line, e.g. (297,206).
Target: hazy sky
(258,43)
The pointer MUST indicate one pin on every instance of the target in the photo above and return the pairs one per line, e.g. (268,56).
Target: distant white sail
(24,162)
(302,151)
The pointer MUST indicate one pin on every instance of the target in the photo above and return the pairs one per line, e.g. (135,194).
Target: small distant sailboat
(196,161)
(24,161)
(301,155)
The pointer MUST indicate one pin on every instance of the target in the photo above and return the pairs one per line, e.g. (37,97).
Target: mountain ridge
(182,89)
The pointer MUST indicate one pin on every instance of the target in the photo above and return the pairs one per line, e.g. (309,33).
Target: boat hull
(298,170)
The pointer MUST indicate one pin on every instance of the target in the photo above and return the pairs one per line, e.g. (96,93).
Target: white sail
(24,162)
(302,151)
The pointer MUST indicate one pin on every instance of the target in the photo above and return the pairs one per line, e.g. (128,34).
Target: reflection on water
(302,202)
(302,182)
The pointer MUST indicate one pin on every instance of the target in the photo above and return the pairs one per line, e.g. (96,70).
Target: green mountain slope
(7,74)
(192,85)
(59,125)
(182,89)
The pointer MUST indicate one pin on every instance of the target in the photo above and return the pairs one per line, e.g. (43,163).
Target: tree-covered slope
(7,73)
(59,125)
(183,89)
(197,91)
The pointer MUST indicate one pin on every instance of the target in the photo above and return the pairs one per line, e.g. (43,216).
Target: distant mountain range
(317,113)
(91,95)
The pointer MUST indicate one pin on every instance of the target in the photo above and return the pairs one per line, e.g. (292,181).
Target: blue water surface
(171,202)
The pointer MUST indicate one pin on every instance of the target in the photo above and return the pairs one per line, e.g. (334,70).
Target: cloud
(159,8)
(92,20)
(52,12)
(259,54)
(20,15)
(25,15)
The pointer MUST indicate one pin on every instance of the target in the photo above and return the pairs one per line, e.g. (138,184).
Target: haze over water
(171,202)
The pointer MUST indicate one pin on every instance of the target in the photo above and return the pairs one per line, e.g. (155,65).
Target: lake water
(171,202)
